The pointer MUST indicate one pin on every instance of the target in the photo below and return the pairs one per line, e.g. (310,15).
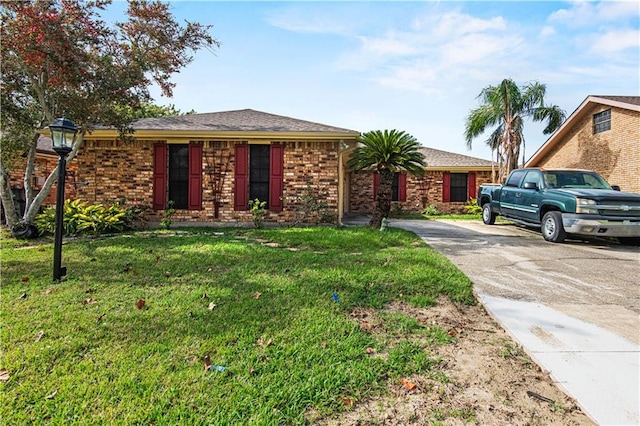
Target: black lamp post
(63,135)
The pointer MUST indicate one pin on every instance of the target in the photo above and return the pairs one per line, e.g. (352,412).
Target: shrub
(472,207)
(78,218)
(167,215)
(258,211)
(314,205)
(430,210)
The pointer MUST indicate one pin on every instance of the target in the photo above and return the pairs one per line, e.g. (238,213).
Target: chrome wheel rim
(549,227)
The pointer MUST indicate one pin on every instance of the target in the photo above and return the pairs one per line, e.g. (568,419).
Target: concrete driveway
(574,307)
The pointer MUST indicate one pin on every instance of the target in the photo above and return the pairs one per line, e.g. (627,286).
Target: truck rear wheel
(488,216)
(552,229)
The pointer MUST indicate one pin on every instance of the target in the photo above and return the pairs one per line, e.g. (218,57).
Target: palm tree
(388,152)
(507,106)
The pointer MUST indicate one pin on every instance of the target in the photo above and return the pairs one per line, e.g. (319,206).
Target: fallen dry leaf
(348,402)
(167,274)
(89,301)
(407,384)
(209,270)
(251,369)
(212,306)
(4,375)
(370,350)
(51,395)
(25,279)
(140,303)
(48,291)
(40,336)
(257,295)
(207,362)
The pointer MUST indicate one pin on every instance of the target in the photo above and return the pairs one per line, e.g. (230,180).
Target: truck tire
(552,229)
(488,216)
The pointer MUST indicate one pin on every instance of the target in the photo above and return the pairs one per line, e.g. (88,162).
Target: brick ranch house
(210,165)
(602,134)
(449,181)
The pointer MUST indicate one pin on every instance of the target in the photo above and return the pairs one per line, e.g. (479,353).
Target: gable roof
(244,120)
(625,102)
(238,124)
(443,160)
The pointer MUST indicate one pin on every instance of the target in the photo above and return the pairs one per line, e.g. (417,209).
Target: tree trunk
(383,198)
(10,213)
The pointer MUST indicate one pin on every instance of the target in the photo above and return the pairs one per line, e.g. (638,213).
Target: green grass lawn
(81,352)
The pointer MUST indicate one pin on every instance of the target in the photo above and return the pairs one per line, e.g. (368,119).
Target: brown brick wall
(113,170)
(422,191)
(44,165)
(615,153)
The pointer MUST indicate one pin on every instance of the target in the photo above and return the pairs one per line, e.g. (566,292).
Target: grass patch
(257,302)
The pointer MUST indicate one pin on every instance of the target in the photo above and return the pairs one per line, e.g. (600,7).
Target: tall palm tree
(508,106)
(388,152)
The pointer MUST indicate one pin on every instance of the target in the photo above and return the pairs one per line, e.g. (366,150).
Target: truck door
(508,202)
(529,199)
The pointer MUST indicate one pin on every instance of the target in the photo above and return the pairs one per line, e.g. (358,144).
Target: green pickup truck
(563,202)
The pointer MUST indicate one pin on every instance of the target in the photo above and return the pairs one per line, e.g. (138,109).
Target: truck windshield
(574,179)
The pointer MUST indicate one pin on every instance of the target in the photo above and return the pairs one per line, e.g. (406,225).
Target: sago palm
(388,152)
(507,106)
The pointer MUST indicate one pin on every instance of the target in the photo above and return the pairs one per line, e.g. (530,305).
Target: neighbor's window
(259,172)
(602,121)
(179,175)
(394,187)
(459,187)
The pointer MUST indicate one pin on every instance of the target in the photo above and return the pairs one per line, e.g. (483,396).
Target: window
(398,186)
(515,178)
(459,187)
(259,171)
(532,176)
(394,187)
(602,121)
(179,176)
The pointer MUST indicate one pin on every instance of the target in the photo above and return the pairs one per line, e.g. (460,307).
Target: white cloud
(547,31)
(615,41)
(309,20)
(587,13)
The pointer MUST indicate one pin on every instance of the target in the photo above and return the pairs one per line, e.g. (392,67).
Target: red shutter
(241,181)
(402,187)
(159,176)
(446,187)
(276,178)
(376,184)
(471,185)
(195,176)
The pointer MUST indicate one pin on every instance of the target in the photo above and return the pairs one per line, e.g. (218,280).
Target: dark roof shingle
(436,158)
(245,120)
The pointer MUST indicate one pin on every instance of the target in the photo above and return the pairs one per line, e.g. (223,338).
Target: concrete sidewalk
(598,367)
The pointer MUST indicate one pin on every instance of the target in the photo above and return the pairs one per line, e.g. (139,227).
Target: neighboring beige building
(602,134)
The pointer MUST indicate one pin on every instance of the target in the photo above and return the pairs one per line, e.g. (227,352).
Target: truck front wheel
(488,216)
(552,229)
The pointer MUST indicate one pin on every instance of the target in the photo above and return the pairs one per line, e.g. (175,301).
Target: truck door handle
(518,194)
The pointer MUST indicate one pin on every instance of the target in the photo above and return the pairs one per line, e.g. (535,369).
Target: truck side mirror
(615,187)
(530,185)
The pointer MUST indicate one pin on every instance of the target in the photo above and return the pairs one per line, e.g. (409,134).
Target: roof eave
(568,124)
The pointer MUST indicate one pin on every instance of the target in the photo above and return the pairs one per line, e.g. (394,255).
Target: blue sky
(413,66)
